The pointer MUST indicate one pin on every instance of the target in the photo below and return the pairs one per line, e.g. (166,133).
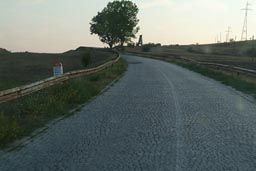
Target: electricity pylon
(140,42)
(245,28)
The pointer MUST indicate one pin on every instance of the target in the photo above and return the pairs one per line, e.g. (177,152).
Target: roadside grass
(21,117)
(237,82)
(230,80)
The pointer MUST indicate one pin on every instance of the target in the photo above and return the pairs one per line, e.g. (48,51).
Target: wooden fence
(238,70)
(14,93)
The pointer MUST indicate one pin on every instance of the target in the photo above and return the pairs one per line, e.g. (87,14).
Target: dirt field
(22,68)
(225,53)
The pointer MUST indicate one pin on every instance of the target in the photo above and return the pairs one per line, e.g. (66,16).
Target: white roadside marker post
(57,69)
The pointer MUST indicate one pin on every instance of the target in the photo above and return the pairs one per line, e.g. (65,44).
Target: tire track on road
(179,124)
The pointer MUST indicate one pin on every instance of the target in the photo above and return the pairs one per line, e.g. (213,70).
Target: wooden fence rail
(223,66)
(14,93)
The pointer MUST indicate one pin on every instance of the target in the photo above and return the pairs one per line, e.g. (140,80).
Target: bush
(190,49)
(131,44)
(251,52)
(86,59)
(95,77)
(147,47)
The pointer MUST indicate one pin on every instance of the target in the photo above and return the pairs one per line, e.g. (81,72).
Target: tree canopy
(116,23)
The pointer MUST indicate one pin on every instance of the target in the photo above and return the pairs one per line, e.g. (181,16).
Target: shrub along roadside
(21,117)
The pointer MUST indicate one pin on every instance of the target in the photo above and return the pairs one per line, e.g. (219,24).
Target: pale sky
(61,25)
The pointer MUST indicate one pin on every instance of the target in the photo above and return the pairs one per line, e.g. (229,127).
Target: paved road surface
(158,117)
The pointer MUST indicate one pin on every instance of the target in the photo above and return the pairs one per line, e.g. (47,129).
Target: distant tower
(140,42)
(217,39)
(245,29)
(228,34)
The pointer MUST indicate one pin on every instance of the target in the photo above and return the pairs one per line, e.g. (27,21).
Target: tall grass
(21,117)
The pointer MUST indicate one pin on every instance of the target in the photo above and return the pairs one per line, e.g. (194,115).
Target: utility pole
(245,28)
(217,39)
(228,33)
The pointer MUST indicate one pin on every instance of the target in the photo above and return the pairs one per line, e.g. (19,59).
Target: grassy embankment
(21,117)
(18,69)
(240,82)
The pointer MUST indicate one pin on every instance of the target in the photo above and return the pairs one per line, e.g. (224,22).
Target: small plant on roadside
(95,77)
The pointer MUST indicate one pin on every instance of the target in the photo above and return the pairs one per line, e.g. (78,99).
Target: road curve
(159,116)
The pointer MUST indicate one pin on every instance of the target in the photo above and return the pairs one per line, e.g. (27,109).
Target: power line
(245,26)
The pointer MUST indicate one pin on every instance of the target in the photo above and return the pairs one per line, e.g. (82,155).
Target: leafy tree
(116,23)
(104,28)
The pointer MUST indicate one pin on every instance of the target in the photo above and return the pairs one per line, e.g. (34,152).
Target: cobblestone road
(157,117)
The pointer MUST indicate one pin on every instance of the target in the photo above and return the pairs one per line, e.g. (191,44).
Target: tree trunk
(122,44)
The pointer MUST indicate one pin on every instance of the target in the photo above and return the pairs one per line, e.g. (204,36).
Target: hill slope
(3,51)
